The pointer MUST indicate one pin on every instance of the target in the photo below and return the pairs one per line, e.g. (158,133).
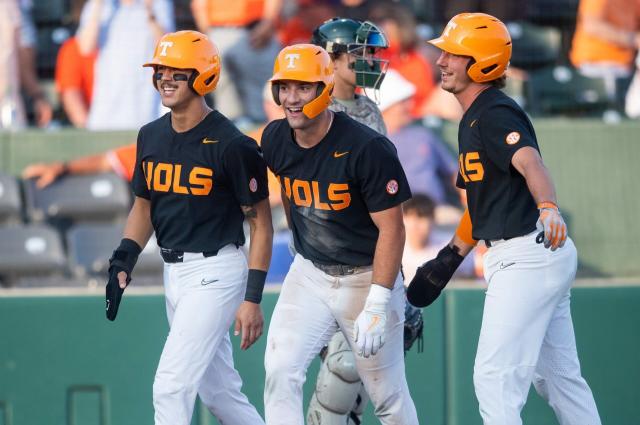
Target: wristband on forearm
(126,255)
(255,285)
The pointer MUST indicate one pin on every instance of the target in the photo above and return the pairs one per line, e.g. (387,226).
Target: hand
(370,325)
(121,264)
(249,320)
(261,33)
(431,277)
(43,112)
(555,230)
(45,173)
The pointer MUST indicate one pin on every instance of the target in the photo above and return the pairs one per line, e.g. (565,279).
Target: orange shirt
(234,13)
(74,71)
(123,161)
(417,70)
(589,48)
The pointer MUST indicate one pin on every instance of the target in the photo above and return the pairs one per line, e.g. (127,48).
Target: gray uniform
(361,109)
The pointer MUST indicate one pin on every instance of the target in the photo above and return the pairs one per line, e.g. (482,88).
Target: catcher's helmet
(189,50)
(482,37)
(308,63)
(360,39)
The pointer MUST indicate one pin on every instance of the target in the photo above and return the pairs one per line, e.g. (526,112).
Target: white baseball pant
(527,335)
(202,296)
(311,307)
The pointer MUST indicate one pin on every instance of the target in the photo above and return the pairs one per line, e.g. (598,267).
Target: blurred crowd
(99,45)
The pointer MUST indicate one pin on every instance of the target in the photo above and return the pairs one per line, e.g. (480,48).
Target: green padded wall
(62,362)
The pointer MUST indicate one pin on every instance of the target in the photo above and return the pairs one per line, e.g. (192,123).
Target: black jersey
(197,180)
(491,131)
(333,186)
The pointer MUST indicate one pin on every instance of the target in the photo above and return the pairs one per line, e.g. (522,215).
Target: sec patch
(392,187)
(512,138)
(253,185)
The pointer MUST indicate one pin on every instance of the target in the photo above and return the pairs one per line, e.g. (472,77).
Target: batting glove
(553,226)
(431,277)
(123,259)
(371,322)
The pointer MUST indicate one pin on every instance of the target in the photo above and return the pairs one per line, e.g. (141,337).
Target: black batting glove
(124,259)
(433,276)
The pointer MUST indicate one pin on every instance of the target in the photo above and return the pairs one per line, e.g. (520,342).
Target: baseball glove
(433,276)
(413,327)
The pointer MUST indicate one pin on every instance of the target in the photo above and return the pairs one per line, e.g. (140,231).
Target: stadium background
(61,362)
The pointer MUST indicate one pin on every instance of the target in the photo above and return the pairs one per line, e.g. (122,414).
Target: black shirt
(499,201)
(333,186)
(197,180)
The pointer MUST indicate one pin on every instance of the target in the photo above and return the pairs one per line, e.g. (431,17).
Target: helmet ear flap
(275,92)
(319,89)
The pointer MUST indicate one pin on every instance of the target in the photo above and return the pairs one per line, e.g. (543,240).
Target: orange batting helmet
(482,37)
(190,50)
(308,63)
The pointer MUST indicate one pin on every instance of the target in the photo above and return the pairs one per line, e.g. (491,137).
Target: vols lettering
(164,177)
(471,168)
(308,194)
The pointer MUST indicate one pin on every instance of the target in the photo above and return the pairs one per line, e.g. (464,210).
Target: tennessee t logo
(163,47)
(291,57)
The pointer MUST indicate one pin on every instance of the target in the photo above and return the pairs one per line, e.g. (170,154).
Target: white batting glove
(369,327)
(551,221)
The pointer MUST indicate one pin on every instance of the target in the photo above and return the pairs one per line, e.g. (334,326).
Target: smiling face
(173,85)
(453,69)
(293,95)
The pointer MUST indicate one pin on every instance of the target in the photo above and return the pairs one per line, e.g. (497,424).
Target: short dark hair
(420,204)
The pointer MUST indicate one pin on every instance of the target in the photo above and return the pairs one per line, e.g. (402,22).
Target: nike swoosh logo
(504,266)
(206,282)
(206,141)
(337,154)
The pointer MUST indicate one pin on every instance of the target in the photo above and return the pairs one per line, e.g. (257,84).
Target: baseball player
(340,397)
(527,333)
(342,187)
(197,177)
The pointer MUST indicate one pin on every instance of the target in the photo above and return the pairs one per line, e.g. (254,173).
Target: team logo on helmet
(512,138)
(392,187)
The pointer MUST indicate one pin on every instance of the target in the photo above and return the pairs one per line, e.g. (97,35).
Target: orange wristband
(465,229)
(547,204)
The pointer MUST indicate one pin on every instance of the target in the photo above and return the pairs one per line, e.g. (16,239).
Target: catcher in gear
(526,334)
(339,397)
(196,179)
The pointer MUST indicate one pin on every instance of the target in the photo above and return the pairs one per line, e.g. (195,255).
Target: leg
(557,376)
(227,99)
(221,388)
(383,375)
(519,304)
(200,319)
(300,326)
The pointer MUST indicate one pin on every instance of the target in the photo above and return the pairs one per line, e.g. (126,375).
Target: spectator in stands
(505,10)
(358,10)
(606,39)
(309,15)
(632,101)
(74,81)
(244,31)
(399,26)
(123,32)
(424,240)
(429,166)
(18,67)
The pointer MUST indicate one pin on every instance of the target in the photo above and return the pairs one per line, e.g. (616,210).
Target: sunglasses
(176,76)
